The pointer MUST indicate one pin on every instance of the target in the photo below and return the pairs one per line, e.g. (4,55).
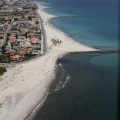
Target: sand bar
(22,86)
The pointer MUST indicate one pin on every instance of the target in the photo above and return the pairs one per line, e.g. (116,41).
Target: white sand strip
(26,84)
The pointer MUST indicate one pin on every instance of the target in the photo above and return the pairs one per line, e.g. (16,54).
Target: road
(43,36)
(5,34)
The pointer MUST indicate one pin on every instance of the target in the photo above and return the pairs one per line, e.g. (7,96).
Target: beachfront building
(20,32)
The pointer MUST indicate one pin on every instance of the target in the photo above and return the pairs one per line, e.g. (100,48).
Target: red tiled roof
(21,37)
(34,39)
(15,56)
(30,46)
(10,51)
(22,51)
(13,31)
(12,38)
(31,34)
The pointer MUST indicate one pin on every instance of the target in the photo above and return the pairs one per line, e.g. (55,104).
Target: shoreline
(54,27)
(39,105)
(26,84)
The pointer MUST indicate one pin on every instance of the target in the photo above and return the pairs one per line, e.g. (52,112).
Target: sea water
(93,23)
(86,85)
(85,88)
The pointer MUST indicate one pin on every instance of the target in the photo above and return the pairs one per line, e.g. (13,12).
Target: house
(7,23)
(16,47)
(34,20)
(33,35)
(11,36)
(31,31)
(10,52)
(29,48)
(22,37)
(15,31)
(12,39)
(20,9)
(16,57)
(1,24)
(34,40)
(23,43)
(8,17)
(19,17)
(22,52)
(34,25)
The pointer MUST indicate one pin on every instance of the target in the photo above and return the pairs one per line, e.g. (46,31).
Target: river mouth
(84,86)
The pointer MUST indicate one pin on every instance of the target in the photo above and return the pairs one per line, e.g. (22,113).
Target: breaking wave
(63,81)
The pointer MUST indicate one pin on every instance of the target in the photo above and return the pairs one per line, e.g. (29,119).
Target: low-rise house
(18,17)
(8,17)
(22,52)
(35,20)
(15,31)
(23,43)
(1,24)
(31,31)
(21,37)
(16,47)
(7,23)
(34,27)
(34,40)
(24,19)
(10,52)
(33,35)
(20,9)
(13,34)
(12,40)
(16,58)
(29,48)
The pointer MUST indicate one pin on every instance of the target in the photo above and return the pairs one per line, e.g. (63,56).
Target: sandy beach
(23,86)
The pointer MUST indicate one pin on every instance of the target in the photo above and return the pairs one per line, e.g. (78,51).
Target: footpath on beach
(24,85)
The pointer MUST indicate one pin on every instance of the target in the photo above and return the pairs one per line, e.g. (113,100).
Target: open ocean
(86,84)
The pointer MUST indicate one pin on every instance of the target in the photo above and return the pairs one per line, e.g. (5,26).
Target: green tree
(29,17)
(2,70)
(5,59)
(37,22)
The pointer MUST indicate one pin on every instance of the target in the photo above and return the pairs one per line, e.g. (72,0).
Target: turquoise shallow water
(86,85)
(86,34)
(96,25)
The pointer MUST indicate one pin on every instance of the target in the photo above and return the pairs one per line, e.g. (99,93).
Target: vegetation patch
(2,70)
(5,59)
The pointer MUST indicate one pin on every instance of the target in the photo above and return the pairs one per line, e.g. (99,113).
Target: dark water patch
(62,60)
(91,93)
